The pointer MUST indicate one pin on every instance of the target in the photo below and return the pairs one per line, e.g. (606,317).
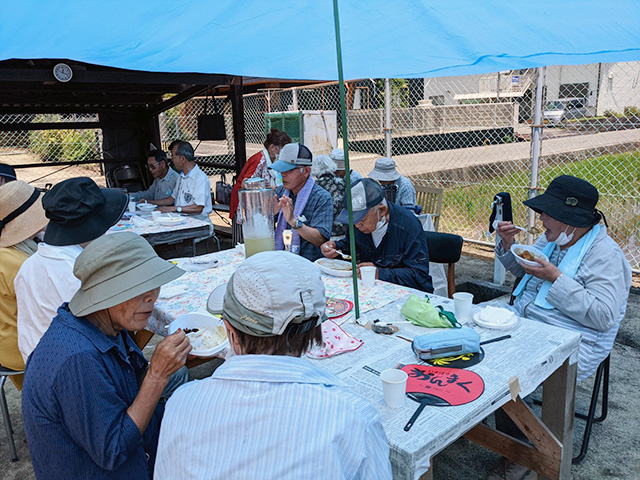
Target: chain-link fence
(45,149)
(470,136)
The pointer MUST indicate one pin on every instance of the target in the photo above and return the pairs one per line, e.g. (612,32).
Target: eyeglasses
(153,166)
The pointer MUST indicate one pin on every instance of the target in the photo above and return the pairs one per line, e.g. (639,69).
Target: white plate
(146,207)
(335,267)
(199,320)
(495,326)
(533,250)
(214,304)
(170,221)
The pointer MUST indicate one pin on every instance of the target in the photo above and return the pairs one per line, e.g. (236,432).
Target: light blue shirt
(159,189)
(270,417)
(406,196)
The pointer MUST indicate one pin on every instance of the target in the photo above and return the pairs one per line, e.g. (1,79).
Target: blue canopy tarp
(295,39)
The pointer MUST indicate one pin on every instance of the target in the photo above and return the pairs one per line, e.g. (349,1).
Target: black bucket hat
(569,200)
(79,211)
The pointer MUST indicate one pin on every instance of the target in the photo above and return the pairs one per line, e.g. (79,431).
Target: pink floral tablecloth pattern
(200,285)
(154,227)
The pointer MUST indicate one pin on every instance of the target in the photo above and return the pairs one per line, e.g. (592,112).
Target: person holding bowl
(91,403)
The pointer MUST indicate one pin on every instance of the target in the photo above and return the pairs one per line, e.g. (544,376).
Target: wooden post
(558,406)
(237,108)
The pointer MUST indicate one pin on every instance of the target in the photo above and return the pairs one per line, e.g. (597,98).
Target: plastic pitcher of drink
(256,205)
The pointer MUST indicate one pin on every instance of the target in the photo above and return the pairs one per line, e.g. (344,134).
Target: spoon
(532,230)
(343,255)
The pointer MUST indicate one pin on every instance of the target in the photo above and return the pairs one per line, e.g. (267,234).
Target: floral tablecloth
(199,286)
(126,224)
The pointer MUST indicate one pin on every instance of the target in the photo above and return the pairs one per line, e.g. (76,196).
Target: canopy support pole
(536,147)
(343,114)
(387,117)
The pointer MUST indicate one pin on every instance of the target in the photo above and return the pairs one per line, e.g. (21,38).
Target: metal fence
(470,136)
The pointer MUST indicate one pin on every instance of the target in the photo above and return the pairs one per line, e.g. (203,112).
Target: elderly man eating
(164,178)
(388,237)
(303,205)
(91,402)
(267,413)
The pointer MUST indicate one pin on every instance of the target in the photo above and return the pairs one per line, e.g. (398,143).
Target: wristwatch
(179,209)
(298,224)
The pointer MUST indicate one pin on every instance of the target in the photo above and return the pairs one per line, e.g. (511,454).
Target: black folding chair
(445,248)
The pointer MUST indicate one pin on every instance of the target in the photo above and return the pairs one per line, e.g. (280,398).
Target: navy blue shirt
(402,257)
(78,385)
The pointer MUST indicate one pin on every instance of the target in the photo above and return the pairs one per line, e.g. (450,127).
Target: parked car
(558,111)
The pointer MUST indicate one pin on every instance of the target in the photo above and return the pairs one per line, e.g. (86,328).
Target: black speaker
(211,127)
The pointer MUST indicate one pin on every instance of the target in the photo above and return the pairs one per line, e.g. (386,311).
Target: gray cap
(115,268)
(270,290)
(385,170)
(291,156)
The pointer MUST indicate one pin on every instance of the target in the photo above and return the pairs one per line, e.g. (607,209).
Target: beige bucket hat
(115,268)
(21,213)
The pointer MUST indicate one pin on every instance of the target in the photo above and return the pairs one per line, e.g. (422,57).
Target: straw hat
(21,213)
(116,268)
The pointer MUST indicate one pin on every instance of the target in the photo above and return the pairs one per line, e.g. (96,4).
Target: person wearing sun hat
(583,287)
(21,218)
(387,237)
(79,212)
(7,174)
(91,402)
(266,412)
(337,155)
(387,174)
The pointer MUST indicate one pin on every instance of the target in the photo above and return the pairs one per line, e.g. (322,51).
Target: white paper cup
(462,302)
(394,387)
(368,275)
(132,206)
(155,214)
(287,237)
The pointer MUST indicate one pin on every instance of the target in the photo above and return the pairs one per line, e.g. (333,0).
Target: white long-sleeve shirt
(270,417)
(45,281)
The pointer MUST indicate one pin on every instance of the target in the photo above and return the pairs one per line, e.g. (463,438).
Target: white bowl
(533,250)
(170,220)
(146,207)
(335,267)
(199,320)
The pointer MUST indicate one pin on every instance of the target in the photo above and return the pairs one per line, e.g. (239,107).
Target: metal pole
(499,272)
(536,146)
(343,113)
(387,117)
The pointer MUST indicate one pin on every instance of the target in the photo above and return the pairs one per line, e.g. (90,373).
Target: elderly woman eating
(91,402)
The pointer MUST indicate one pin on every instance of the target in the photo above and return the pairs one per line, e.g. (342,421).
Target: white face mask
(381,229)
(563,238)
